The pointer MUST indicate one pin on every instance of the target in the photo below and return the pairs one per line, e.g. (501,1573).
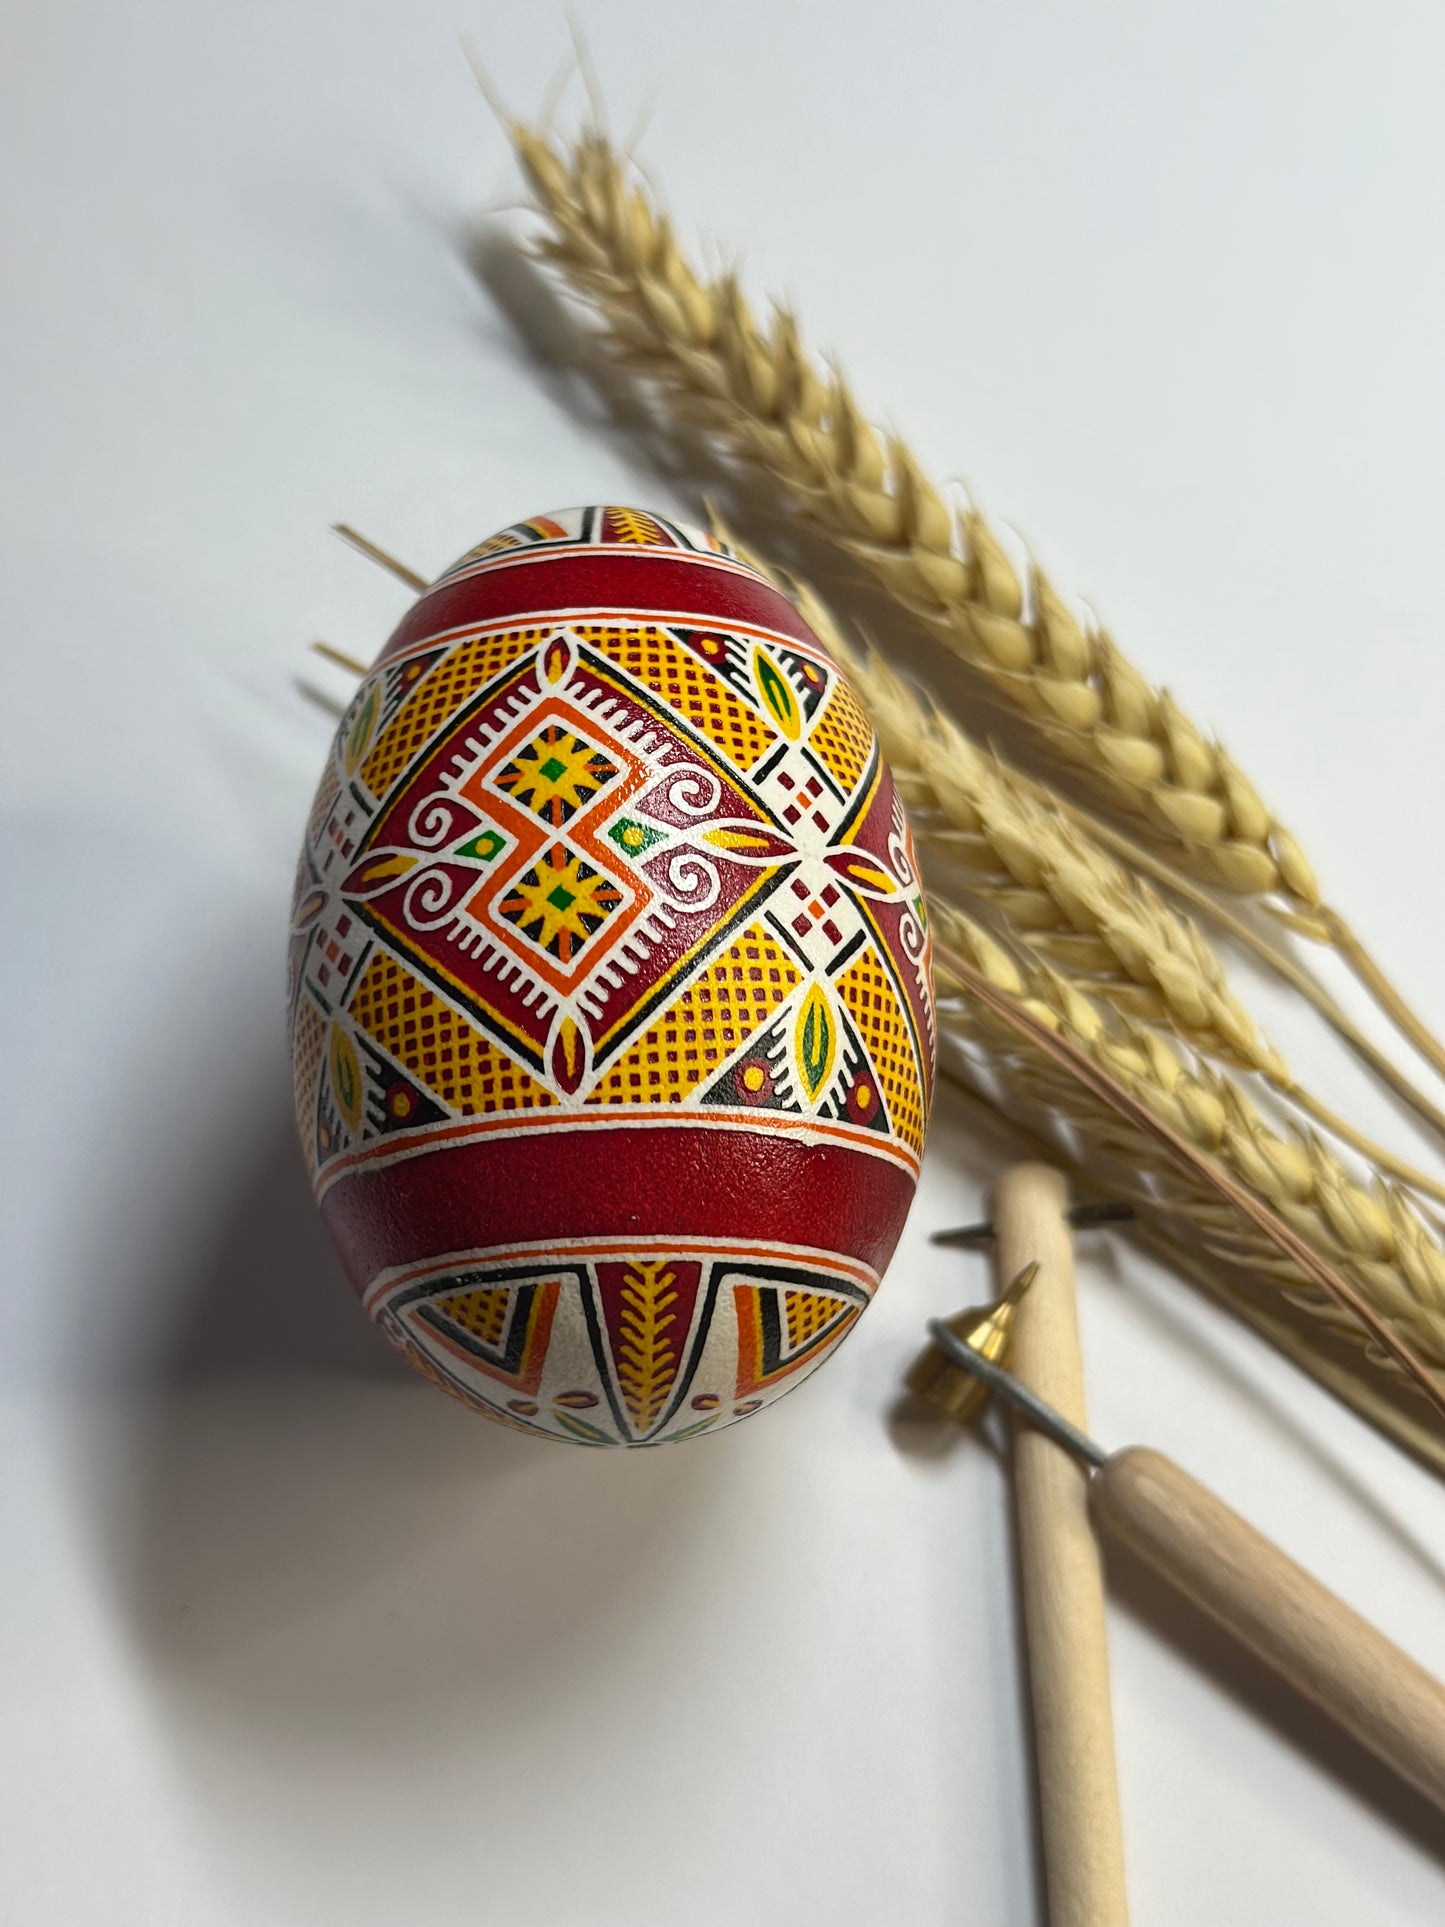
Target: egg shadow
(312,1549)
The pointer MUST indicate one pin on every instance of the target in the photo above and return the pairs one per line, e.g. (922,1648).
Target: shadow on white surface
(919,1434)
(1261,1693)
(309,1544)
(338,1615)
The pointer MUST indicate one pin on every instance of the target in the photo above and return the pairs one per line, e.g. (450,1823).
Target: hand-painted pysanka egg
(610,1007)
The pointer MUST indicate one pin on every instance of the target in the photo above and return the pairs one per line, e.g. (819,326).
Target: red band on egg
(692,1182)
(640,581)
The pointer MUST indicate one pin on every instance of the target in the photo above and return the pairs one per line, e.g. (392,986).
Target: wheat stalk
(1369,1234)
(757,389)
(770,407)
(1049,1113)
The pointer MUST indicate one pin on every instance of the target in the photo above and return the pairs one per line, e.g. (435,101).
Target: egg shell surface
(610,1007)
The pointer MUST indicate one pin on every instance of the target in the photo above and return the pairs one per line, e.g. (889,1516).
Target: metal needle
(1013,1389)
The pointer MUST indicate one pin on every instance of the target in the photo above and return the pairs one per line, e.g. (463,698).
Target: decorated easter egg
(611,1020)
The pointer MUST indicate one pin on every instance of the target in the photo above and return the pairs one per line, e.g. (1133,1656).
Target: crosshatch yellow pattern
(326,794)
(720,1010)
(431,704)
(842,737)
(493,545)
(661,663)
(542,528)
(306,1040)
(481,1314)
(868,992)
(806,1313)
(456,1062)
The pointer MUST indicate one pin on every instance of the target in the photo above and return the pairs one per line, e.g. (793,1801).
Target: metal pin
(1081,1216)
(1058,1428)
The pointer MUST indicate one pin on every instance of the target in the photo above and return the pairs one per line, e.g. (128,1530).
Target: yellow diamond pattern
(306,1038)
(687,685)
(436,696)
(493,545)
(842,737)
(720,1010)
(806,1313)
(867,990)
(327,792)
(481,1314)
(456,1062)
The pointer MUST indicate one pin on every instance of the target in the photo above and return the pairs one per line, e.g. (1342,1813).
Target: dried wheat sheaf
(1087,996)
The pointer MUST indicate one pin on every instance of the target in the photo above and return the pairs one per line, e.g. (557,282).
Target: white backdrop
(287,1639)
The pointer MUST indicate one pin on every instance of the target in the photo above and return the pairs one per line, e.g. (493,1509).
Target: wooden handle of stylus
(1278,1610)
(1060,1570)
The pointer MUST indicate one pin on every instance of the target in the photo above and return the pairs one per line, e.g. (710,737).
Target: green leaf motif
(816,1041)
(777,694)
(580,1429)
(359,735)
(633,837)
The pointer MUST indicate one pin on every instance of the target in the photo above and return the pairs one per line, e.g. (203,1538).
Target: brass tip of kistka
(986,1329)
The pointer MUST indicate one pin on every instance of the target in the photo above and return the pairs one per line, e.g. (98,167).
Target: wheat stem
(1059,1121)
(1375,1395)
(1362,1143)
(1137,856)
(1383,991)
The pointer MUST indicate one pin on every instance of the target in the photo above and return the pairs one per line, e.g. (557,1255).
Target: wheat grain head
(1371,1232)
(773,408)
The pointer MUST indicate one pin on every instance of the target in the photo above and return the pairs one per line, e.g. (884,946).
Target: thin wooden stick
(339,657)
(1062,1577)
(365,546)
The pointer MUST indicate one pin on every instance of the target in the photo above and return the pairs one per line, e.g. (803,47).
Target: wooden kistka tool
(1241,1579)
(1061,1579)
